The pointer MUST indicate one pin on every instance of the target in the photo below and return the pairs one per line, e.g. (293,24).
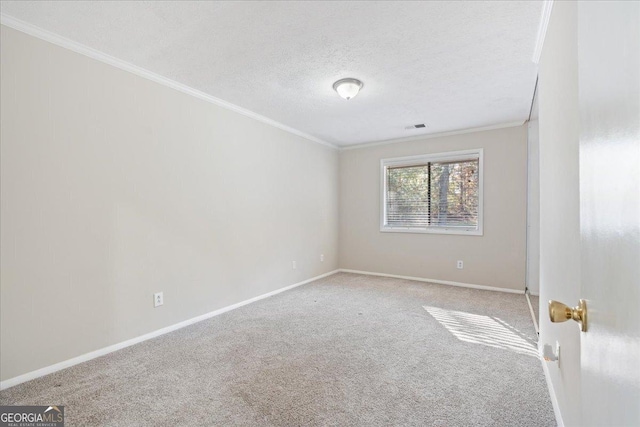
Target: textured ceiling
(451,65)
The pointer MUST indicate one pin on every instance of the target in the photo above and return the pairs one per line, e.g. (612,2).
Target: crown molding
(66,43)
(433,135)
(542,30)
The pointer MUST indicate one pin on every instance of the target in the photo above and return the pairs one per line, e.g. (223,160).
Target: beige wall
(496,259)
(114,187)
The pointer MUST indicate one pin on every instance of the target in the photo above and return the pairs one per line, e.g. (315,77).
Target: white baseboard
(533,314)
(439,282)
(115,347)
(552,393)
(110,349)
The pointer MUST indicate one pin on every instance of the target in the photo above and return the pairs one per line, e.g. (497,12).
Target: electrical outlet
(158,299)
(321,257)
(550,354)
(294,265)
(460,264)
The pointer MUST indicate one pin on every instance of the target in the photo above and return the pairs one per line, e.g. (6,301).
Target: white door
(533,199)
(609,97)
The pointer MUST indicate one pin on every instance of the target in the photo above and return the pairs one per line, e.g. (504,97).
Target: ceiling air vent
(419,126)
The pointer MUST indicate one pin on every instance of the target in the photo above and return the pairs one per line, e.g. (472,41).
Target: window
(435,193)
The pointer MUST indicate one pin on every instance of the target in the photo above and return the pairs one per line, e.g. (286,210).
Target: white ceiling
(450,65)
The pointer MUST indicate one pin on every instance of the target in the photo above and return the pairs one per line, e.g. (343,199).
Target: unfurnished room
(320,213)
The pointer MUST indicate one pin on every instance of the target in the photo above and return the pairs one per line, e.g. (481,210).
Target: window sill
(463,232)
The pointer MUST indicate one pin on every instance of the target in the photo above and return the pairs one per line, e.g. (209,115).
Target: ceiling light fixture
(347,88)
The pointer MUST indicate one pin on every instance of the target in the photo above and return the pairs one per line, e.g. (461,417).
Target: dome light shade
(348,88)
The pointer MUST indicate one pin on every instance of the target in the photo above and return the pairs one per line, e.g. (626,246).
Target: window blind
(435,194)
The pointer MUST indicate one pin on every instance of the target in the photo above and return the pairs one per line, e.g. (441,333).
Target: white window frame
(474,154)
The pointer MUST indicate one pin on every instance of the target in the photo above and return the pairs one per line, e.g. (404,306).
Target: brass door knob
(559,312)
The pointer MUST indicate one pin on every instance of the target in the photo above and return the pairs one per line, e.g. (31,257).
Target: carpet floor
(346,350)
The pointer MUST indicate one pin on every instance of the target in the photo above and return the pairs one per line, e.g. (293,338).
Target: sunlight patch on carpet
(484,330)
